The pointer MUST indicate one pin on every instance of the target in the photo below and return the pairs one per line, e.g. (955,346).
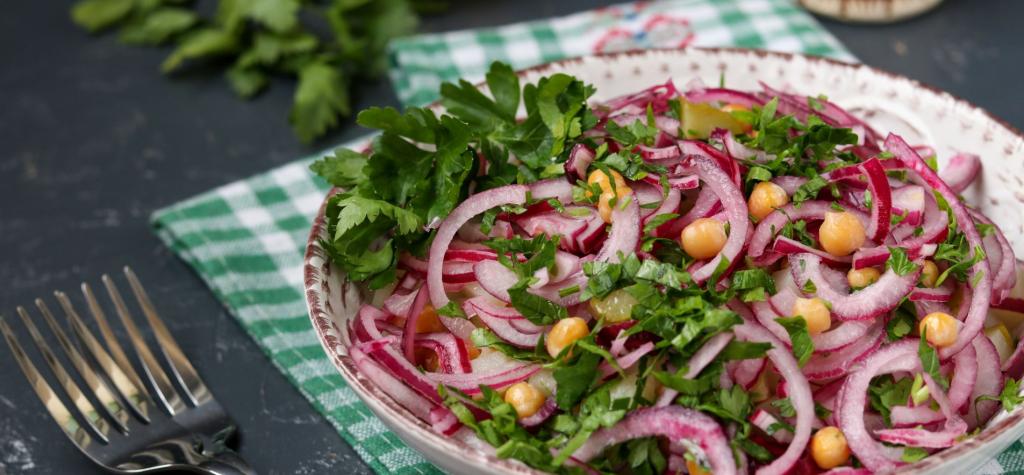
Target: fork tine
(116,350)
(137,400)
(165,392)
(110,403)
(91,415)
(182,368)
(60,413)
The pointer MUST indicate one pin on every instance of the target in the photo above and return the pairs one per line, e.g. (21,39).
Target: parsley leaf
(898,261)
(484,338)
(884,392)
(575,379)
(320,98)
(809,190)
(1009,397)
(800,338)
(538,310)
(930,360)
(744,350)
(902,322)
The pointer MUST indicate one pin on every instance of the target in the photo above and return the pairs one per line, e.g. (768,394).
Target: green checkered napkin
(246,239)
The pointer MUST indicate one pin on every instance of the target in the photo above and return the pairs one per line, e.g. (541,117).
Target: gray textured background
(92,140)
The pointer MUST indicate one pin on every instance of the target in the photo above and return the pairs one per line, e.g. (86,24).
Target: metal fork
(113,421)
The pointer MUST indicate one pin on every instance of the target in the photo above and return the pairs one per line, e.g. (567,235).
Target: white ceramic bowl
(887,101)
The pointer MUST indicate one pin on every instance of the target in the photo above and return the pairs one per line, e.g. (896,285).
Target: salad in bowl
(686,279)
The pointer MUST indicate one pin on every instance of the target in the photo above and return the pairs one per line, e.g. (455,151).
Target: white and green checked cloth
(246,239)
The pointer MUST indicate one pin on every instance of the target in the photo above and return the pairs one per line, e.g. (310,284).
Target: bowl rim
(327,331)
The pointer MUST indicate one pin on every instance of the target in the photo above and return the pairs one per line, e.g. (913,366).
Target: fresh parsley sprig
(257,40)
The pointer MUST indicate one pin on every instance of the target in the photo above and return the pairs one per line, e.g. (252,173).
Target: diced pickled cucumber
(699,120)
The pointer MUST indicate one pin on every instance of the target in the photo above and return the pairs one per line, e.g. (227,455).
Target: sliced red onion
(979,272)
(838,337)
(444,421)
(825,367)
(961,171)
(789,184)
(451,352)
(736,209)
(553,223)
(909,202)
(497,379)
(881,203)
(668,126)
(965,375)
(668,205)
(706,204)
(497,319)
(697,148)
(706,354)
(989,382)
(496,279)
(452,272)
(723,96)
(412,318)
(627,360)
(474,205)
(877,299)
(665,156)
(683,182)
(674,422)
(766,315)
(398,303)
(764,421)
(852,403)
(656,96)
(1001,259)
(941,293)
(935,228)
(580,158)
(557,188)
(542,415)
(746,372)
(402,394)
(738,151)
(799,393)
(774,222)
(917,437)
(625,233)
(786,246)
(1011,304)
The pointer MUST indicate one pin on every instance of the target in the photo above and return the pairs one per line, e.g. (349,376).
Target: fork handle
(227,462)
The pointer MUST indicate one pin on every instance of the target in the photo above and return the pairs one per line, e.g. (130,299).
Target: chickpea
(616,307)
(829,448)
(429,322)
(860,278)
(940,329)
(841,233)
(565,333)
(815,313)
(765,198)
(703,238)
(599,177)
(525,398)
(929,274)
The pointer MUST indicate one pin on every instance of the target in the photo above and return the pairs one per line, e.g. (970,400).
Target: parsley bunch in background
(326,45)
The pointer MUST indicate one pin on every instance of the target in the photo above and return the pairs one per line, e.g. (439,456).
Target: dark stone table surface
(92,140)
